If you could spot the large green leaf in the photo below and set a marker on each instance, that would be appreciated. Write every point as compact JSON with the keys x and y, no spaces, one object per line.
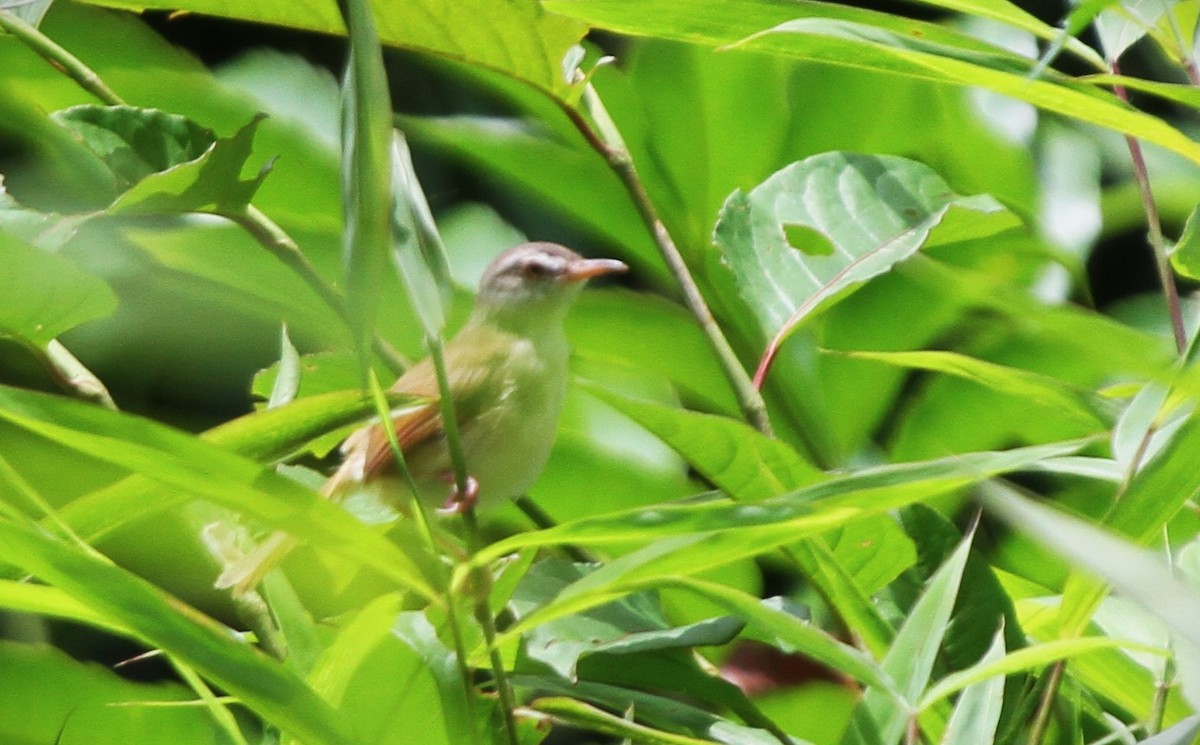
{"x":46,"y":294}
{"x":517,"y":39}
{"x":165,"y":623}
{"x":865,"y":40}
{"x":819,"y":228}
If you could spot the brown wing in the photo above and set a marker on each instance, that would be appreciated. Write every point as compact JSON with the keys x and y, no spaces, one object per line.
{"x":469,"y":356}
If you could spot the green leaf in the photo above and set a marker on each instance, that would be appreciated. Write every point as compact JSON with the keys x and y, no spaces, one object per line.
{"x":1122,"y":24}
{"x":366,"y":176}
{"x":194,"y":468}
{"x":774,"y":623}
{"x":1008,"y":13}
{"x":690,"y":538}
{"x":1054,"y":394}
{"x":1134,"y":571}
{"x":977,"y":711}
{"x":46,"y":294}
{"x":265,"y":436}
{"x":354,"y":642}
{"x":634,"y":624}
{"x":878,"y":42}
{"x":135,"y":143}
{"x":21,"y":223}
{"x":910,"y":660}
{"x":46,"y":696}
{"x":517,"y":39}
{"x":735,"y":457}
{"x":210,"y":182}
{"x":165,"y":623}
{"x":417,"y":251}
{"x":43,"y":600}
{"x":818,"y":228}
{"x":1035,"y":657}
{"x":287,"y":382}
{"x":1185,"y":257}
{"x":750,"y":529}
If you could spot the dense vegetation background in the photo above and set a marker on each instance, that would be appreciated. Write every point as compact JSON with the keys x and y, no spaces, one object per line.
{"x":951,"y":242}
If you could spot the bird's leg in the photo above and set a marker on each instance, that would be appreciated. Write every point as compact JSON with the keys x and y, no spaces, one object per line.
{"x":459,"y":502}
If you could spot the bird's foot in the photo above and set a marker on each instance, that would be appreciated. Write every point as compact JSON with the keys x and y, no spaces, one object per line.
{"x":459,"y":502}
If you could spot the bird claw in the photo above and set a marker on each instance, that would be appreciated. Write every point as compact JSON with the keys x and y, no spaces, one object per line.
{"x":459,"y":502}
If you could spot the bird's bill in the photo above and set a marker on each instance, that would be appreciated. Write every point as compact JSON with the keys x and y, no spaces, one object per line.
{"x":582,"y":269}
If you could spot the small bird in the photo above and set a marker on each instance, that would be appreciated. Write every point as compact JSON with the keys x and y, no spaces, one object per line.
{"x":507,"y":369}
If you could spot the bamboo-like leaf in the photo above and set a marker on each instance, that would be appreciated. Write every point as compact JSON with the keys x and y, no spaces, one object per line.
{"x":977,"y":711}
{"x":167,"y":624}
{"x":193,"y":468}
{"x":910,"y":660}
{"x":750,"y":529}
{"x":1052,"y":393}
{"x":1134,"y":571}
{"x":579,"y":714}
{"x":1029,"y":658}
{"x":366,"y":175}
{"x":770,"y":621}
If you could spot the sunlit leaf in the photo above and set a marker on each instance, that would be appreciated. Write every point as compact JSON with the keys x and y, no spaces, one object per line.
{"x":819,"y":228}
{"x":870,"y":41}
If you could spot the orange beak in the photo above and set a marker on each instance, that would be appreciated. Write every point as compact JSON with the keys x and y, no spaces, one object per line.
{"x":577,"y":271}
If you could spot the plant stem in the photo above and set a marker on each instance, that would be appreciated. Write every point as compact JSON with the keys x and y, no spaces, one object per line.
{"x":1042,"y":719}
{"x":59,"y":58}
{"x":1157,"y":243}
{"x":606,"y":140}
{"x":478,"y":582}
{"x":273,"y":238}
{"x":479,"y":587}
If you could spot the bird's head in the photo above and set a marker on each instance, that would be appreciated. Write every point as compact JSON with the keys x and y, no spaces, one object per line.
{"x":536,"y":282}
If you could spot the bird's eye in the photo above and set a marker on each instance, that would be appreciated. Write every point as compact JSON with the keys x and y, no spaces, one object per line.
{"x":537,"y":270}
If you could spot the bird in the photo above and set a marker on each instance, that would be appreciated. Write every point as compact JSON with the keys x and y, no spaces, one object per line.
{"x":507,"y":373}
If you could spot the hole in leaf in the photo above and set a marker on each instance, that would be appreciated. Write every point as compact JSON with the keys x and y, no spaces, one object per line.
{"x":806,"y":240}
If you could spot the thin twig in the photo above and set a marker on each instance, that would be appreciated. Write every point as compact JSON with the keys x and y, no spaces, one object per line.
{"x":606,"y":140}
{"x":273,"y":238}
{"x":1157,"y":242}
{"x":59,"y":58}
{"x":1042,"y":719}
